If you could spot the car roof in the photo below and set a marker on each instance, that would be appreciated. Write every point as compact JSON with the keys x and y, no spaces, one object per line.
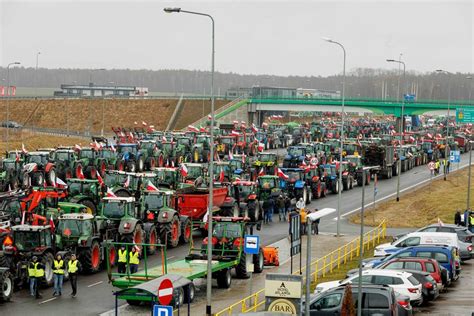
{"x":385,"y":272}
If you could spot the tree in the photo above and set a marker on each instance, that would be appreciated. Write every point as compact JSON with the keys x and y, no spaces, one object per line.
{"x":347,"y":308}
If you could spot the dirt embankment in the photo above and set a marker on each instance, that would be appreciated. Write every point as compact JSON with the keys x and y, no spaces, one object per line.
{"x":423,"y":206}
{"x":58,"y":113}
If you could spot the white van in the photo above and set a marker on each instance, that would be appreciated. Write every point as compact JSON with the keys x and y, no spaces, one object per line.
{"x":418,"y":238}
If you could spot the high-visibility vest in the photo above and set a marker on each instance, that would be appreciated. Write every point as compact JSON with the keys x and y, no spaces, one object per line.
{"x":471,"y":220}
{"x":134,"y":258}
{"x":58,"y":267}
{"x":72,"y":266}
{"x":39,"y":272}
{"x":303,"y":217}
{"x":122,"y":256}
{"x":32,"y":270}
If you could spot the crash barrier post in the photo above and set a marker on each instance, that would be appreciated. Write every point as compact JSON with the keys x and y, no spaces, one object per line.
{"x":320,"y":268}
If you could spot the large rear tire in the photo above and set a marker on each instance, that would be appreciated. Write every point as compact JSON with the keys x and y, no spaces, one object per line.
{"x":152,"y":240}
{"x":241,"y":268}
{"x":90,"y":258}
{"x":224,"y":279}
{"x":6,"y":286}
{"x":186,"y":231}
{"x":91,"y":207}
{"x":170,"y":232}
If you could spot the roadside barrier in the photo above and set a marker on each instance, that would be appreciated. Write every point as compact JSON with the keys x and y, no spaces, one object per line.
{"x":320,"y":268}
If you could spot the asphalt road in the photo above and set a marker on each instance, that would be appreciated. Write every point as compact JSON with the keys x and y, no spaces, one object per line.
{"x":95,"y":294}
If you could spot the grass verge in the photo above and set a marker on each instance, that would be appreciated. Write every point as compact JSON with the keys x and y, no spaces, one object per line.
{"x":423,"y":205}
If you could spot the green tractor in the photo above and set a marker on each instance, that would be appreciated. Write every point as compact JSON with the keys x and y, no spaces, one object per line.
{"x":82,"y":234}
{"x":86,"y":192}
{"x":183,"y":149}
{"x":166,"y":177}
{"x":268,"y":186}
{"x":10,"y":172}
{"x":64,"y":160}
{"x":88,"y":163}
{"x":268,"y":162}
{"x":202,"y":149}
{"x":125,"y":184}
{"x":151,"y":153}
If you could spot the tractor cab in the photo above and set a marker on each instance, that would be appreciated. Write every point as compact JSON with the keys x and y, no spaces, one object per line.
{"x":268,"y":186}
{"x":64,"y":155}
{"x":118,"y":208}
{"x":74,"y":229}
{"x":222,"y":171}
{"x":166,"y":177}
{"x":195,"y":170}
{"x":30,"y":239}
{"x":242,"y":189}
{"x":227,"y":238}
{"x":355,"y":162}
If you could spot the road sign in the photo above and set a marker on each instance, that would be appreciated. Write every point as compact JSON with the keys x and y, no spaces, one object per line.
{"x":465,"y":115}
{"x":295,"y":233}
{"x":160,"y":310}
{"x":455,"y":156}
{"x":165,"y":292}
{"x":283,"y":293}
{"x":251,"y":244}
{"x":431,"y":166}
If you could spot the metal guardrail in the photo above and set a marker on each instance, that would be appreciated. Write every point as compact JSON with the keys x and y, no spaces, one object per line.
{"x":319,"y":267}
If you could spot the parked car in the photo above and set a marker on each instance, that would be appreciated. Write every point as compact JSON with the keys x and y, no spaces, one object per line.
{"x":402,"y":282}
{"x":463,"y":233}
{"x":10,"y":124}
{"x":429,"y":290}
{"x":376,"y":300}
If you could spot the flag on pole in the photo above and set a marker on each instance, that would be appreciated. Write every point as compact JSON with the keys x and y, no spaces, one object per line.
{"x":282,"y":175}
{"x":126,"y":184}
{"x":261,"y":172}
{"x":440,"y":222}
{"x":230,"y":155}
{"x":151,"y":187}
{"x":51,"y":223}
{"x":23,"y":149}
{"x":221,"y":176}
{"x":60,"y":182}
{"x":184,"y":170}
{"x":110,"y":193}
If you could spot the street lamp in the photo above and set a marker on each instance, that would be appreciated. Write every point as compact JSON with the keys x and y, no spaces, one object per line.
{"x":402,"y":122}
{"x":36,"y":74}
{"x":89,"y":124}
{"x":468,"y":202}
{"x":211,"y":163}
{"x":339,"y":196}
{"x":447,"y":122}
{"x":8,"y":98}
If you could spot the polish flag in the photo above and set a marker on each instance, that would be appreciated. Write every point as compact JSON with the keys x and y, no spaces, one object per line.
{"x":254,"y":128}
{"x":261,"y":146}
{"x":282,"y":175}
{"x":303,"y":165}
{"x":112,"y":147}
{"x":61,"y":183}
{"x":99,"y":178}
{"x":202,"y":129}
{"x":51,"y":223}
{"x":163,"y":139}
{"x":209,"y":117}
{"x":144,"y":123}
{"x":221,"y":176}
{"x":439,"y":136}
{"x":429,"y":135}
{"x":150,"y":186}
{"x":126,"y":184}
{"x":234,"y":133}
{"x":243,"y":158}
{"x":17,"y":156}
{"x":184,"y":171}
{"x":110,"y":193}
{"x":23,"y":149}
{"x":261,"y":172}
{"x":230,"y":155}
{"x":136,"y":123}
{"x":412,"y":139}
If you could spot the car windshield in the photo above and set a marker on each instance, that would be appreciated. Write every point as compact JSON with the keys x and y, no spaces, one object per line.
{"x":229,"y":230}
{"x":153,"y":201}
{"x":267,"y":183}
{"x":38,"y":159}
{"x":86,"y":153}
{"x":294,"y":151}
{"x":114,"y":209}
{"x":26,"y":240}
{"x":62,"y":156}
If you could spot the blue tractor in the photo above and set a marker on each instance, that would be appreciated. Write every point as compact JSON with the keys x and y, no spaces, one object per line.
{"x":131,"y":156}
{"x":296,"y":185}
{"x":295,"y":156}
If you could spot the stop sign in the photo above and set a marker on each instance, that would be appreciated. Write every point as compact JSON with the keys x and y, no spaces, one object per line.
{"x":165,"y":292}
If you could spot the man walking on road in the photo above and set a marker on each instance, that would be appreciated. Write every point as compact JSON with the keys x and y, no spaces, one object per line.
{"x":58,"y":275}
{"x":122,"y":260}
{"x":73,"y":267}
{"x":36,"y":274}
{"x":281,"y":208}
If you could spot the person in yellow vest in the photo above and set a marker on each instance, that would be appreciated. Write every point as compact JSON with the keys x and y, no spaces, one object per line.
{"x":134,"y":260}
{"x":73,"y":268}
{"x":122,"y":260}
{"x":36,"y":274}
{"x":303,"y":215}
{"x":58,"y":275}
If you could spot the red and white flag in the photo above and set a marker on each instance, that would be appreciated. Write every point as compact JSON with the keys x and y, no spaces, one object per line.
{"x":254,"y":128}
{"x":23,"y":149}
{"x":112,"y":147}
{"x":412,"y":139}
{"x":261,"y":172}
{"x":234,"y":133}
{"x":440,"y":222}
{"x":243,"y":158}
{"x":231,"y":156}
{"x":202,"y":130}
{"x":51,"y":223}
{"x":193,"y":128}
{"x":163,"y":139}
{"x":282,"y":175}
{"x":184,"y":170}
{"x":60,"y":183}
{"x":99,"y":178}
{"x":221,"y":176}
{"x":261,"y":146}
{"x":17,"y":156}
{"x":429,"y":135}
{"x":144,"y":123}
{"x":151,"y":187}
{"x":126,"y":184}
{"x":209,"y":117}
{"x":110,"y":193}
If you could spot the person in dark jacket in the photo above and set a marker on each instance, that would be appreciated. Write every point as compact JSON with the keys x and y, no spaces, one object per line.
{"x":271,"y":208}
{"x":73,"y":267}
{"x":281,"y":208}
{"x":35,"y":274}
{"x":457,"y":218}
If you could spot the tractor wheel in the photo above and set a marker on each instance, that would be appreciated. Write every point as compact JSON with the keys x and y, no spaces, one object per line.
{"x":119,"y":165}
{"x":112,"y":253}
{"x":90,"y":206}
{"x":140,"y":164}
{"x":14,"y":182}
{"x":152,"y":240}
{"x":345,"y":183}
{"x":137,"y":237}
{"x":102,"y":168}
{"x":68,"y":173}
{"x":90,"y":258}
{"x":224,"y":279}
{"x":78,"y":170}
{"x":258,"y":262}
{"x":254,"y":215}
{"x":190,"y":293}
{"x":241,"y":268}
{"x":91,"y":172}
{"x":170,"y":232}
{"x":351,"y":182}
{"x":122,"y":193}
{"x":51,"y":177}
{"x":161,"y":161}
{"x":310,"y":195}
{"x":335,"y":186}
{"x":131,"y":166}
{"x":178,"y":297}
{"x":186,"y":231}
{"x":6,"y":286}
{"x":151,"y":165}
{"x":47,"y":260}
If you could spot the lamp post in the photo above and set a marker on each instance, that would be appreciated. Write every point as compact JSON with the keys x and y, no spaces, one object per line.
{"x":211,"y":162}
{"x":89,"y":124}
{"x":468,"y":202}
{"x":361,"y":244}
{"x":402,"y":122}
{"x":339,"y":196}
{"x":8,"y":98}
{"x":446,"y":146}
{"x":36,"y":74}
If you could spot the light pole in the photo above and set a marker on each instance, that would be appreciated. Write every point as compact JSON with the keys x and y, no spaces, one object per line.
{"x":8,"y":98}
{"x":468,"y":202}
{"x":211,"y":163}
{"x":91,"y":84}
{"x":36,"y":74}
{"x":361,"y":244}
{"x":446,"y":146}
{"x":339,"y":196}
{"x":402,"y":122}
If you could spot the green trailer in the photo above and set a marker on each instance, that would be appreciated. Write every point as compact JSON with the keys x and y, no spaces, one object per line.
{"x":227,"y":254}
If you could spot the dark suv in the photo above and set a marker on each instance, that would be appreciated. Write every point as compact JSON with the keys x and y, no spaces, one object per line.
{"x":376,"y":299}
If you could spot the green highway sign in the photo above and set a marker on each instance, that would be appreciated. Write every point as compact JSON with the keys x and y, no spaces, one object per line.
{"x":465,"y":115}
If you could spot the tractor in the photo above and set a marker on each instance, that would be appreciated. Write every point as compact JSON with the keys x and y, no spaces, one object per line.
{"x":151,"y":154}
{"x":88,"y":163}
{"x":83,"y":235}
{"x":38,"y":166}
{"x":348,"y":175}
{"x":266,"y":161}
{"x":240,"y":194}
{"x":226,"y":145}
{"x":112,"y":162}
{"x":268,"y":186}
{"x":9,"y":174}
{"x":84,"y":191}
{"x":166,"y":177}
{"x":296,"y":186}
{"x":202,"y":149}
{"x":125,"y":184}
{"x":328,"y":175}
{"x":295,"y":157}
{"x":64,"y":159}
{"x":183,"y":147}
{"x":314,"y":181}
{"x":132,"y":157}
{"x":222,"y":171}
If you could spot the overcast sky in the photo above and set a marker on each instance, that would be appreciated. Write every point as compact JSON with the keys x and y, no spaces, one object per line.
{"x":257,"y":37}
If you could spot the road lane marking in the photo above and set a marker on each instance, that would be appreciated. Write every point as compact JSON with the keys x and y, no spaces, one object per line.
{"x":51,"y":299}
{"x":94,"y":284}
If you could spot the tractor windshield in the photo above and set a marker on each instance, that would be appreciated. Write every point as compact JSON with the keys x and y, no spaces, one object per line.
{"x":194,"y":172}
{"x":87,"y":153}
{"x":74,"y":188}
{"x":267,"y":183}
{"x":236,"y":164}
{"x":184,"y":141}
{"x":9,"y":165}
{"x":112,"y":179}
{"x":38,"y":159}
{"x":62,"y":156}
{"x":105,"y":153}
{"x":167,"y":147}
{"x":228,"y":230}
{"x":426,"y":146}
{"x":266,"y":158}
{"x":129,"y":149}
{"x":294,"y":176}
{"x":26,"y":240}
{"x":202,"y":140}
{"x":153,"y":201}
{"x":295,"y":151}
{"x":69,"y":227}
{"x":227,"y":140}
{"x":245,"y":190}
{"x":114,"y":209}
{"x":12,"y":155}
{"x":354,"y":160}
{"x":147,"y":145}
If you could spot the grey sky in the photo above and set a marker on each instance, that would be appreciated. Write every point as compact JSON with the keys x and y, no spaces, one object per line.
{"x":272,"y":37}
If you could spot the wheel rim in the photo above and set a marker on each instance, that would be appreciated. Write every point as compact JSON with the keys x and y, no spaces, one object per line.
{"x":174,"y":231}
{"x":137,"y":238}
{"x":187,"y":231}
{"x":160,"y":161}
{"x":120,"y":167}
{"x":68,"y":174}
{"x":152,"y":240}
{"x":95,"y":257}
{"x":48,"y":270}
{"x":52,"y":176}
{"x":112,"y":256}
{"x":7,"y":287}
{"x":93,"y":173}
{"x":78,"y":170}
{"x":103,"y":168}
{"x":152,"y":163}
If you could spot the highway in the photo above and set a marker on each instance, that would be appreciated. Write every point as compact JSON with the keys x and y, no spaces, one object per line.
{"x":95,"y":294}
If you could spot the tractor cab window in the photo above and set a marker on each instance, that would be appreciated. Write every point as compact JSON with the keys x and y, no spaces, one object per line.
{"x":426,"y":146}
{"x":88,"y":188}
{"x":128,"y":149}
{"x":184,"y":141}
{"x":9,"y":165}
{"x":167,"y":147}
{"x":26,"y":241}
{"x":236,"y":164}
{"x":12,"y":155}
{"x":62,"y":156}
{"x":294,"y":176}
{"x":202,"y":140}
{"x":87,"y":153}
{"x":69,"y":227}
{"x":194,"y":172}
{"x":230,"y":230}
{"x":154,"y":201}
{"x":114,"y":209}
{"x":87,"y":228}
{"x":105,"y":154}
{"x":295,"y":151}
{"x":267,"y":183}
{"x":265,"y":158}
{"x":38,"y":159}
{"x":74,"y":188}
{"x":227,"y":140}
